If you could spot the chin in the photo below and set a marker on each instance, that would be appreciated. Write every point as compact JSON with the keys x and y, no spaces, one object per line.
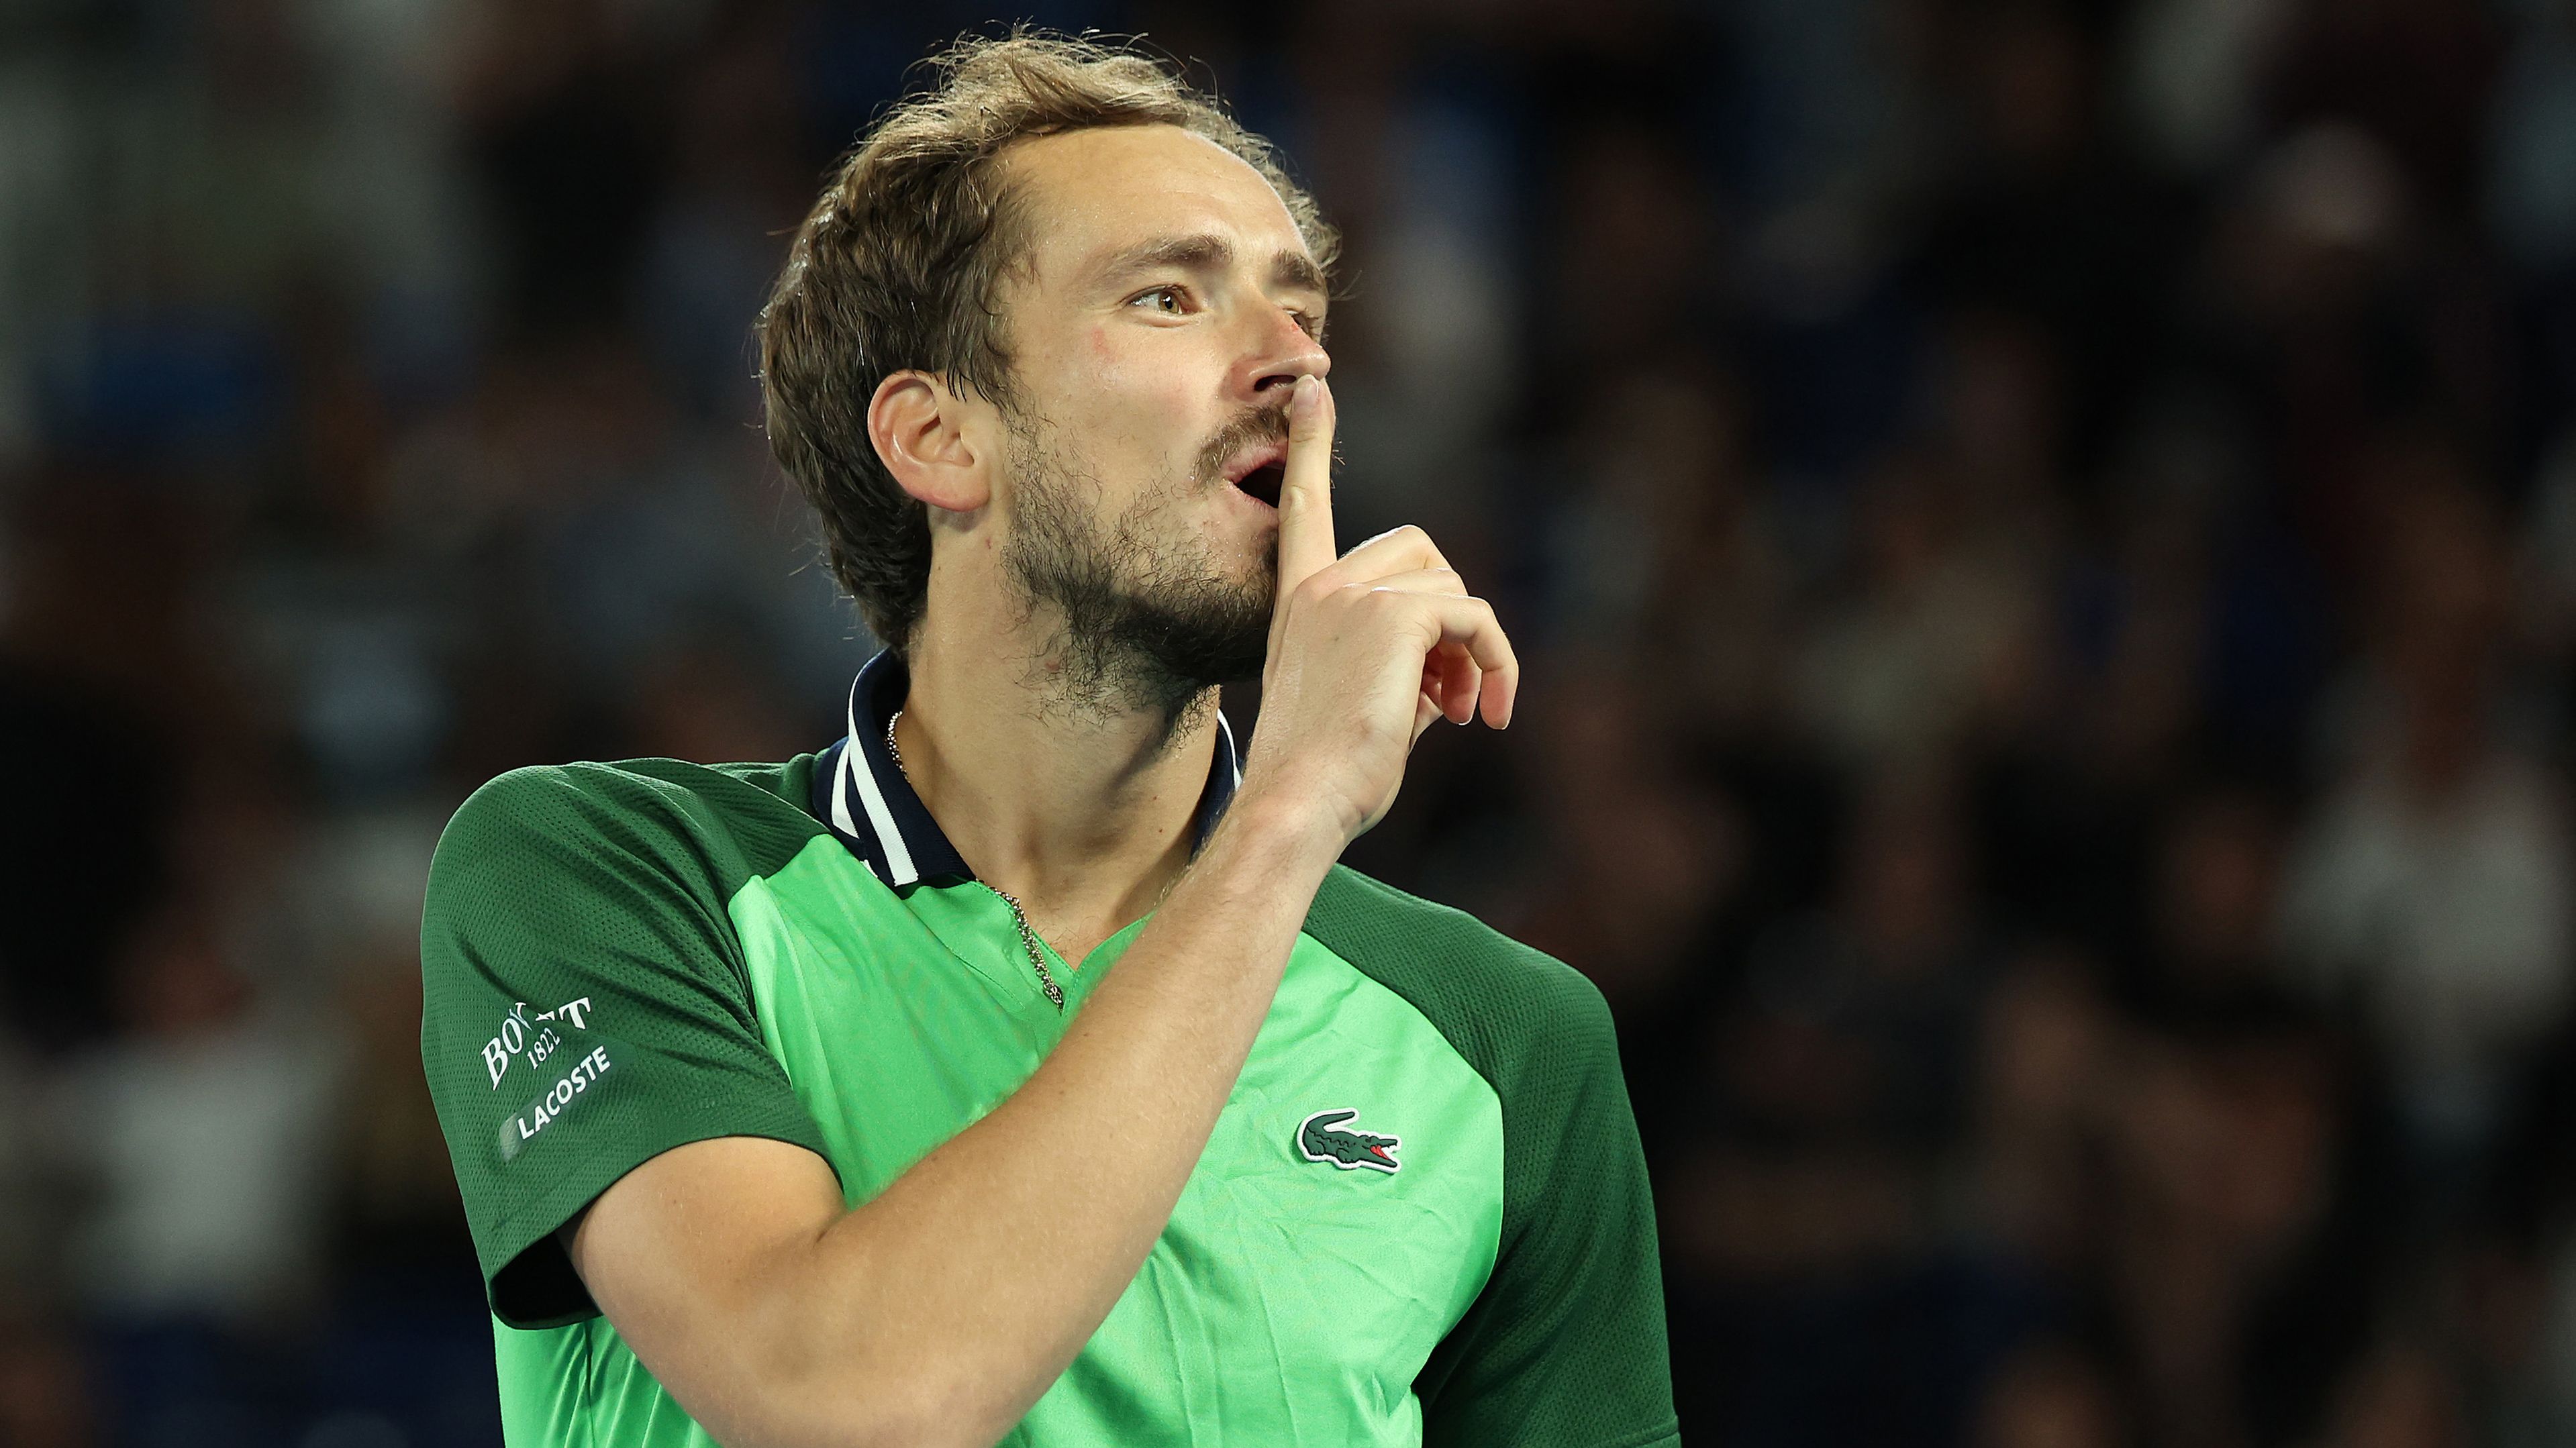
{"x":1260,"y":576}
{"x":1250,"y":559}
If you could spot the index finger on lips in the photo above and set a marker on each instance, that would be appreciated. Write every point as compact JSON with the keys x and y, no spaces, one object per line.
{"x":1306,"y":487}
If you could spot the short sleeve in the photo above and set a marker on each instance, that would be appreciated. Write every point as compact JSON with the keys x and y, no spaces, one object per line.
{"x":585,"y":1007}
{"x":1565,"y":1347}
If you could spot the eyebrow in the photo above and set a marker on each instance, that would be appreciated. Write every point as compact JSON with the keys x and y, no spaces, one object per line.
{"x":1205,"y":251}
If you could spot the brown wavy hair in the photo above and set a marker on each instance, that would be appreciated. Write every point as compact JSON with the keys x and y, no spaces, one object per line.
{"x":900,"y":263}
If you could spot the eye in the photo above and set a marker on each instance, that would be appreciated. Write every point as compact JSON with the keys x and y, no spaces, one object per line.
{"x":1309,"y":323}
{"x":1168,"y":290}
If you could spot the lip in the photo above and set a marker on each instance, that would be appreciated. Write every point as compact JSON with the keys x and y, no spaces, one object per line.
{"x":1252,"y":459}
{"x":1268,"y":461}
{"x":1254,"y":501}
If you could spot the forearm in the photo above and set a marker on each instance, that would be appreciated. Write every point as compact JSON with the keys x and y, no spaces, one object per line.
{"x":974,"y":1279}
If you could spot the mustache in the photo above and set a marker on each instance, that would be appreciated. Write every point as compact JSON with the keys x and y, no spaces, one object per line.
{"x":1253,"y":425}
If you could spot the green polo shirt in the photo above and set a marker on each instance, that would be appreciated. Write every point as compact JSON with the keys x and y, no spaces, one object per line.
{"x":1422,"y":1216}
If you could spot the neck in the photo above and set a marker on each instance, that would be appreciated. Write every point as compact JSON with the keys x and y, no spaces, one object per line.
{"x":1080,"y":805}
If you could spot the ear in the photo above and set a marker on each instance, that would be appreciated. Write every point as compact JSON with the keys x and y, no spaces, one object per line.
{"x":917,"y":426}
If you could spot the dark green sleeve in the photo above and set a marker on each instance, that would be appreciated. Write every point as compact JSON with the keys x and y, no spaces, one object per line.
{"x":1565,"y":1347}
{"x":585,"y":1007}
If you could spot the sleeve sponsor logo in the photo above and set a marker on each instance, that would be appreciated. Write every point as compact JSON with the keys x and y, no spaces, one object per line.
{"x":551,"y":1104}
{"x":531,"y":1038}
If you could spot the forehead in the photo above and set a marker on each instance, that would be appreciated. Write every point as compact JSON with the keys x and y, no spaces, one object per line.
{"x":1091,"y":193}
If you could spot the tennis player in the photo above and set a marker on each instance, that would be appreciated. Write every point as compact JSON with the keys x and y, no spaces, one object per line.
{"x":1022,"y":1067}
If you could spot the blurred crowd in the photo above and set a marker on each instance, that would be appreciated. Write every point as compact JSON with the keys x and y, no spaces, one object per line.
{"x":2043,"y":533}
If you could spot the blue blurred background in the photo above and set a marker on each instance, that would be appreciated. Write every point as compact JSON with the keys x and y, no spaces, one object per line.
{"x":2044,"y":536}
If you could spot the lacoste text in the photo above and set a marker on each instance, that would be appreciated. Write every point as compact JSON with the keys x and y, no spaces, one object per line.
{"x":584,"y":1074}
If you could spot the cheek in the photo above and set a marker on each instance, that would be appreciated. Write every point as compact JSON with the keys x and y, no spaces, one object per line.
{"x":1126,"y":367}
{"x":1140,"y":408}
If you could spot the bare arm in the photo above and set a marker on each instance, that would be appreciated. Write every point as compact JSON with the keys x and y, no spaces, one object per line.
{"x":941,"y":1309}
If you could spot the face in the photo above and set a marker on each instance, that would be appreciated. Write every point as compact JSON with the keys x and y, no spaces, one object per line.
{"x":1166,"y":310}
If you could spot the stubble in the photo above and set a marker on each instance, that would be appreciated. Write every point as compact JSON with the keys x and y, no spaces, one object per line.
{"x":1144,"y":618}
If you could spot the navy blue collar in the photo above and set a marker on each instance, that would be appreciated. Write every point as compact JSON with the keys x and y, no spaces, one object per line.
{"x":861,"y":794}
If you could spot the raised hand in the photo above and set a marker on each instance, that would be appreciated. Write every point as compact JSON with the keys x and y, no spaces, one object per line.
{"x":1365,"y":649}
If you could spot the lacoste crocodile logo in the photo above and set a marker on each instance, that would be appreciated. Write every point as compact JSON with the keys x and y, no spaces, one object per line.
{"x":1318,"y":1140}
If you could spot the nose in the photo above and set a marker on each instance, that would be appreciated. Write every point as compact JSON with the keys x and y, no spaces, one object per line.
{"x":1283,"y":353}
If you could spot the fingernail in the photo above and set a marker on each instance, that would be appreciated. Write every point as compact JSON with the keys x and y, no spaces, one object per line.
{"x":1301,"y":397}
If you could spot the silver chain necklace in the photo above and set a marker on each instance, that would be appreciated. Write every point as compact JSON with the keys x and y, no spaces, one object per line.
{"x":1028,"y":937}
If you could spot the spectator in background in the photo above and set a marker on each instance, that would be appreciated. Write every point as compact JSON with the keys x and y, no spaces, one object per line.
{"x":45,"y":1393}
{"x":1936,"y":618}
{"x":1811,"y":1209}
{"x":2047,"y":1048}
{"x":2217,"y":891}
{"x":2133,"y":414}
{"x":201,"y":1134}
{"x":1645,"y":852}
{"x":2402,"y":1396}
{"x":1662,"y":541}
{"x":2052,"y":1396}
{"x":2430,"y":891}
{"x":2236,"y":1265}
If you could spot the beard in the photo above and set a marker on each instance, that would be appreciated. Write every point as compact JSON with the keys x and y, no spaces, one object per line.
{"x":1149,"y":620}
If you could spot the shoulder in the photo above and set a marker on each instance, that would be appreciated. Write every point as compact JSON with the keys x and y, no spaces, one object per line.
{"x":1510,"y":1009}
{"x":651,"y":790}
{"x":720,"y":823}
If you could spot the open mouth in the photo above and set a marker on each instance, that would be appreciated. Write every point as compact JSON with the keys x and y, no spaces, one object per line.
{"x":1263,"y":482}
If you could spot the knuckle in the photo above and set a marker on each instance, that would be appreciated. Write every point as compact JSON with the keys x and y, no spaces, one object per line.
{"x":1347,"y":598}
{"x":1400,"y":535}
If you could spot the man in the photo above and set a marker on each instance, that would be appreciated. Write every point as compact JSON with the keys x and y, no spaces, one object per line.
{"x":802,"y":1104}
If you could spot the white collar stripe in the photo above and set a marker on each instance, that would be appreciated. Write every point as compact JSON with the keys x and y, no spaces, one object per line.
{"x":898,"y":856}
{"x":841,"y":777}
